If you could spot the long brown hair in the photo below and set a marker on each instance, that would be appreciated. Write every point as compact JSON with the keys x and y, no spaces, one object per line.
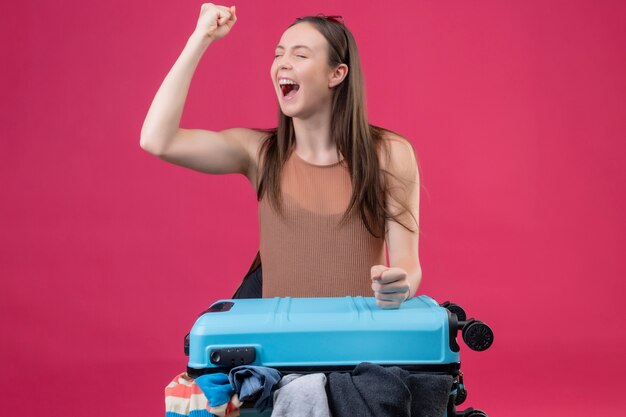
{"x":358,"y":141}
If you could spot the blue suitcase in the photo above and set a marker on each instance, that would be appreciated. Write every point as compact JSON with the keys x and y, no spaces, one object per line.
{"x":308,"y":335}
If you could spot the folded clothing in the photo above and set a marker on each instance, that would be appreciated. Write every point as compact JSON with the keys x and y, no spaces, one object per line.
{"x":255,"y":382}
{"x":185,"y":397}
{"x":223,"y":400}
{"x":376,"y":391}
{"x":431,"y":394}
{"x":301,"y":396}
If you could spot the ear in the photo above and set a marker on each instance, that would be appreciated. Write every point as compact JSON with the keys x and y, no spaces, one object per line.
{"x":338,"y":75}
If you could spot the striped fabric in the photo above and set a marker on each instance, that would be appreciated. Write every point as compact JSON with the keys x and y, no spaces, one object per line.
{"x":184,"y":398}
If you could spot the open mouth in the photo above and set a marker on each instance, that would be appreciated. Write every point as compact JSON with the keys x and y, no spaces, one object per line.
{"x":289,"y":90}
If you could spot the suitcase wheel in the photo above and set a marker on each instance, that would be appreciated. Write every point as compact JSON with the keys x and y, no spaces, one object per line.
{"x":470,"y":412}
{"x":461,"y":392}
{"x":461,"y":395}
{"x":477,"y":335}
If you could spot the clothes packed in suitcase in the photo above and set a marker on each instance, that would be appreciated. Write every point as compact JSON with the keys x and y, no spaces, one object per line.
{"x":335,"y":357}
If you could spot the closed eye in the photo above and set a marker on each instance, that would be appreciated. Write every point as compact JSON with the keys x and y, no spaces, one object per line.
{"x":300,"y":56}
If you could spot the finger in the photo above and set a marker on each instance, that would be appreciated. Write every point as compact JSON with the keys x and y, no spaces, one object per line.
{"x":233,"y":18}
{"x":387,"y":304}
{"x":394,"y":287}
{"x":223,"y":14}
{"x":223,"y":8}
{"x":377,"y":270}
{"x":390,"y":297}
{"x":395,"y":297}
{"x":232,"y":12}
{"x":392,"y":275}
{"x":224,"y":17}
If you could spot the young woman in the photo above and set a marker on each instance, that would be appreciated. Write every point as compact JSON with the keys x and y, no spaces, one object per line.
{"x":334,"y":191}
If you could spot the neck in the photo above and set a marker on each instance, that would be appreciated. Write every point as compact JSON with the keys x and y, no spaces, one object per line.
{"x":313,"y":139}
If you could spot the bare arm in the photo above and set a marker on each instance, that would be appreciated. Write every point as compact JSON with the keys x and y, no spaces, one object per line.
{"x":394,"y":284}
{"x":163,"y":119}
{"x":403,"y":244}
{"x":226,"y":151}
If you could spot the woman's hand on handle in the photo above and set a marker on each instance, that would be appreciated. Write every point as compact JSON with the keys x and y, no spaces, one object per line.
{"x":215,"y":21}
{"x":390,"y":285}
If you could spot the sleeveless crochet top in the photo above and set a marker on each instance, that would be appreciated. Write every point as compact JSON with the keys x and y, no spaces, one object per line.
{"x":306,"y":253}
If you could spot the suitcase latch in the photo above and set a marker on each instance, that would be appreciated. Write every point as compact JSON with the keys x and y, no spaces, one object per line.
{"x":234,"y":356}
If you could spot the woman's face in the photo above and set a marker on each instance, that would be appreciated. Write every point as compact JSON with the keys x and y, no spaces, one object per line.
{"x":302,"y":56}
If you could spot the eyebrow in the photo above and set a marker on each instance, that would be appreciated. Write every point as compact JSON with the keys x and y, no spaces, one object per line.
{"x":295,"y":47}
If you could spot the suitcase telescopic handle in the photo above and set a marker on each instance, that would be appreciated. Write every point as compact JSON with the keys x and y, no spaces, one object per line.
{"x":186,"y":344}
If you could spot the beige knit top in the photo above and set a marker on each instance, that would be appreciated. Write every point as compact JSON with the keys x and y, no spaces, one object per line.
{"x":306,"y":253}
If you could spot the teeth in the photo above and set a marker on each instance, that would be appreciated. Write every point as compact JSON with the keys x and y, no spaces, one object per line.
{"x":284,"y":81}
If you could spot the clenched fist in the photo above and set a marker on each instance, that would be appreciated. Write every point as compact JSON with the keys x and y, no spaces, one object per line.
{"x":215,"y":21}
{"x":390,"y":285}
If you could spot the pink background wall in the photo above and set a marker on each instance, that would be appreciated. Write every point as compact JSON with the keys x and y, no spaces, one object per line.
{"x":517,"y":110}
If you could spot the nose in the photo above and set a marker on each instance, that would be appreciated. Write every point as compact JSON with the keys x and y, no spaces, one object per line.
{"x":283,"y":62}
{"x":284,"y":65}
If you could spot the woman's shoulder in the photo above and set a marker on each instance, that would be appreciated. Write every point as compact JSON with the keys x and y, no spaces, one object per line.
{"x":396,"y":153}
{"x":253,"y":139}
